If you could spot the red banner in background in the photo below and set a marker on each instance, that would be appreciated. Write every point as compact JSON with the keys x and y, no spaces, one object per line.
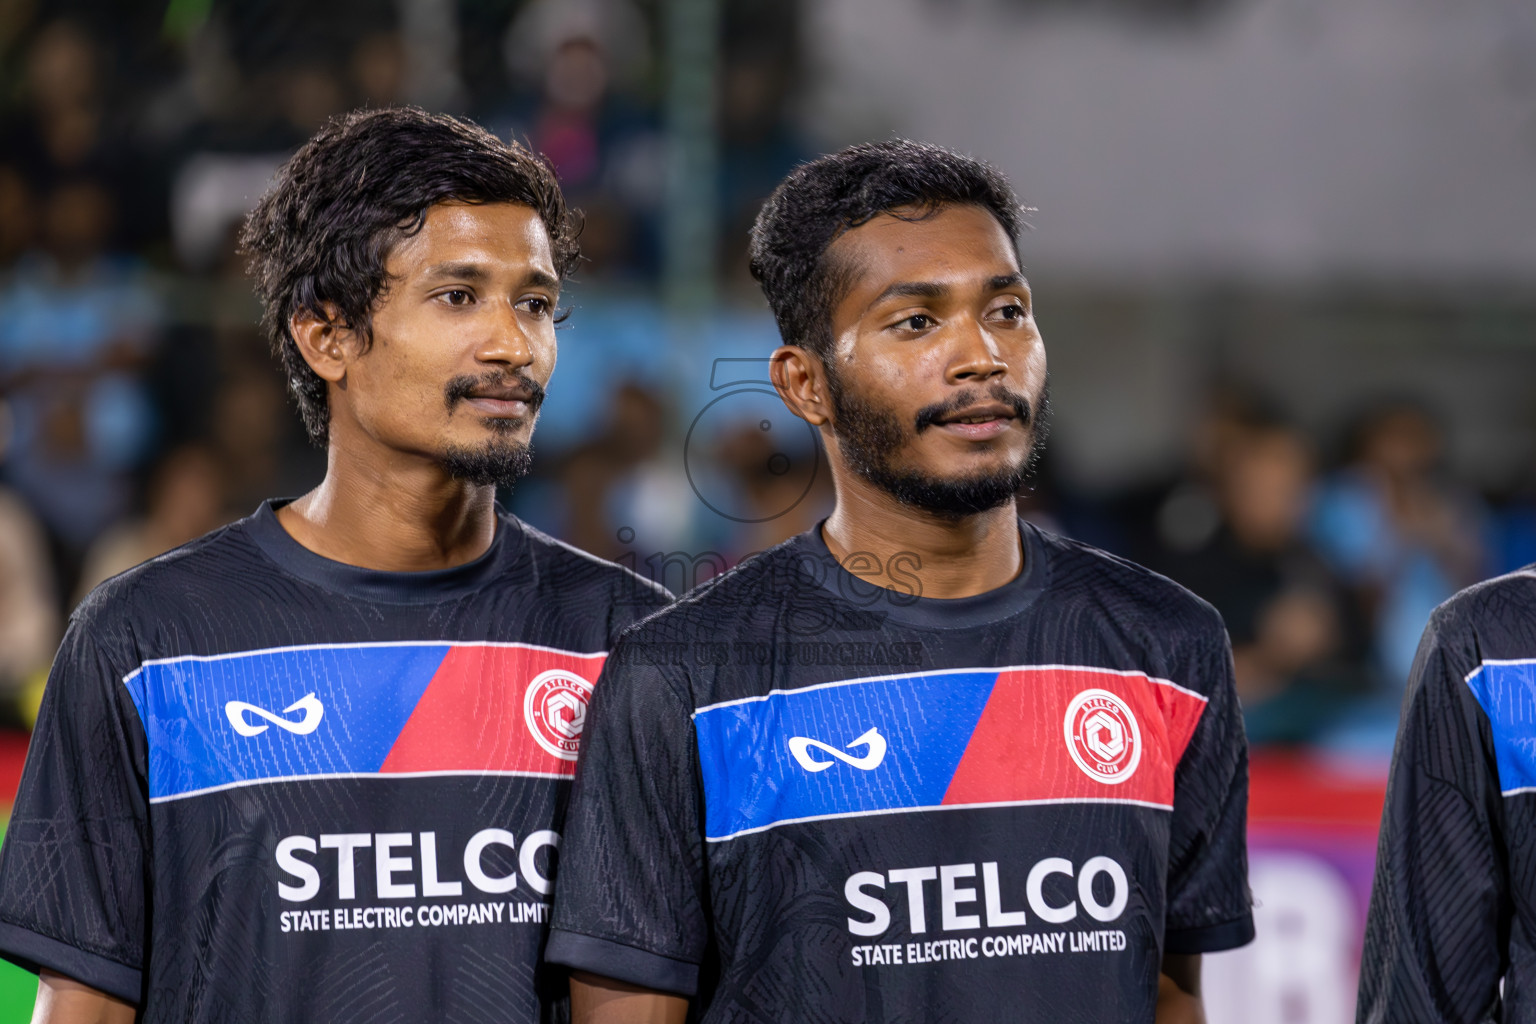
{"x":1312,"y":824}
{"x":13,"y":754}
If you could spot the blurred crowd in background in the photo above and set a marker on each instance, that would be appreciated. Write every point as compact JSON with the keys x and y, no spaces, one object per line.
{"x":139,"y":406}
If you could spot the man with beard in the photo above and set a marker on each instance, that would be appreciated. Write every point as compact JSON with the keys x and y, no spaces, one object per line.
{"x":309,"y":766}
{"x":925,"y":762}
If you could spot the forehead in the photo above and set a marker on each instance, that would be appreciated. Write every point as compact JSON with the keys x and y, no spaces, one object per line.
{"x":954,"y":245}
{"x":508,"y":236}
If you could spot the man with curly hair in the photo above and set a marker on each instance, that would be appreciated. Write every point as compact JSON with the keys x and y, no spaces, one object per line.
{"x":309,"y":766}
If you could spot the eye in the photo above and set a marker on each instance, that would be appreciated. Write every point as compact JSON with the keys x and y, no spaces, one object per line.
{"x":1012,"y":312}
{"x":457,"y":297}
{"x":536,"y":305}
{"x":917,"y":322}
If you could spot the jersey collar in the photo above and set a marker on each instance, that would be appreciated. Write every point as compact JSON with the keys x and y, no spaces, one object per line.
{"x":378,"y":585}
{"x":1010,"y":599}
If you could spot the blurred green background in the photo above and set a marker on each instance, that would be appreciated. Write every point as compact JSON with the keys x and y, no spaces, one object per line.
{"x":18,"y":988}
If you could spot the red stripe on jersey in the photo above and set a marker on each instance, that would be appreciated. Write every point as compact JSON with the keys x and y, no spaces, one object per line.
{"x":512,"y":708}
{"x":1068,"y":733}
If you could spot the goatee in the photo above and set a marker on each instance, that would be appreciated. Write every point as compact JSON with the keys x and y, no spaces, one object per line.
{"x":498,"y":461}
{"x":501,"y":459}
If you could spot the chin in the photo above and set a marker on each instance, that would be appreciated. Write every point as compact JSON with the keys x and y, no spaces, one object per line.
{"x":949,"y":495}
{"x":959,"y":471}
{"x":498,"y":426}
{"x":494,"y":461}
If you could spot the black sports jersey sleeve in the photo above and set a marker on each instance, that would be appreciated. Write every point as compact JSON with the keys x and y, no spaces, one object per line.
{"x":634,"y":908}
{"x":1440,"y":912}
{"x":72,"y":867}
{"x":1209,"y":906}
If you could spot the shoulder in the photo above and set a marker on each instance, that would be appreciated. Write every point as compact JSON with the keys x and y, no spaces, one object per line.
{"x":187,"y":575}
{"x":125,"y":619}
{"x":1509,"y":600}
{"x":1494,"y":620}
{"x":583,"y":575}
{"x":759,"y":585}
{"x":1081,"y":574}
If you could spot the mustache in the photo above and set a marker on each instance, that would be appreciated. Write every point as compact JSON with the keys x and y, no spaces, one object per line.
{"x":464,"y":386}
{"x":928,"y":415}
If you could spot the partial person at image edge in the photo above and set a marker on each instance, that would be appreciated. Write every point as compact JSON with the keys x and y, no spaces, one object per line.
{"x":1451,"y":932}
{"x":924,"y":761}
{"x":309,"y":767}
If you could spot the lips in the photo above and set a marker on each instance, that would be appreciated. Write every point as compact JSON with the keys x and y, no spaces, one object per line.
{"x":496,"y":397}
{"x":974,"y":415}
{"x":498,"y":407}
{"x":500,"y":401}
{"x":502,"y":394}
{"x":989,"y":412}
{"x":982,"y":430}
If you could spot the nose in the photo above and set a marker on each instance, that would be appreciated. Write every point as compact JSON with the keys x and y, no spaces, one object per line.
{"x":505,"y":341}
{"x":976,"y":355}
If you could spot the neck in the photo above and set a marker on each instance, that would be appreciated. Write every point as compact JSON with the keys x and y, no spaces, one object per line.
{"x":870,"y":533}
{"x":403,"y":516}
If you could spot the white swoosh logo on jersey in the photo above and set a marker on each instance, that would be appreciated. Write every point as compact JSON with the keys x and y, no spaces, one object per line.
{"x":236,"y":710}
{"x":801,"y":746}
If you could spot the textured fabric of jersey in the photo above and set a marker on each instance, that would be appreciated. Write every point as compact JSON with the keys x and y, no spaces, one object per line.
{"x":808,"y":799}
{"x":1453,"y":908}
{"x":266,"y":786}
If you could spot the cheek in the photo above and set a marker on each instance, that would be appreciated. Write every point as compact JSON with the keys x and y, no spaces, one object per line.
{"x":1036,"y":365}
{"x":545,"y":352}
{"x":399,"y":367}
{"x":399,"y":383}
{"x":886,"y":385}
{"x":1029,"y":366}
{"x":895,"y":373}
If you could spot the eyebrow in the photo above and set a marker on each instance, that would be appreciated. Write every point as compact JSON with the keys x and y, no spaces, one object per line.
{"x":912,"y":290}
{"x":541,"y":279}
{"x":476,"y":272}
{"x":463,"y":271}
{"x":934,"y":290}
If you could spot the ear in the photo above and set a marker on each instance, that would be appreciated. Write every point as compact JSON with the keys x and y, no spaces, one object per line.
{"x":801,"y":381}
{"x":323,"y":342}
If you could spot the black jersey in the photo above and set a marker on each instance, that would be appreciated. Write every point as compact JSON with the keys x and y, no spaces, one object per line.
{"x":1452,"y":923}
{"x":266,"y":786}
{"x":809,"y":799}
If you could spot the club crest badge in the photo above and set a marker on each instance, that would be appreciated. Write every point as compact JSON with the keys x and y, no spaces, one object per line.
{"x":555,"y":707}
{"x":1102,"y":736}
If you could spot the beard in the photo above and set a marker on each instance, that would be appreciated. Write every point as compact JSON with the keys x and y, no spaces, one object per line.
{"x":501,"y":459}
{"x":871,"y":438}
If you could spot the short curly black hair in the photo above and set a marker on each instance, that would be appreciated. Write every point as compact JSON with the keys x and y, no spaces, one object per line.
{"x":827,"y":196}
{"x":325,"y":229}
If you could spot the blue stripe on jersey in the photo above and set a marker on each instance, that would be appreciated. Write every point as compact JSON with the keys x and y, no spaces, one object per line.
{"x":1507,"y":693}
{"x":752,"y":778}
{"x":189,"y":707}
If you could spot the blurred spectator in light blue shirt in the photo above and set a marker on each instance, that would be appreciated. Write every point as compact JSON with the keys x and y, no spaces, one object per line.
{"x":77,"y":324}
{"x":1403,"y":533}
